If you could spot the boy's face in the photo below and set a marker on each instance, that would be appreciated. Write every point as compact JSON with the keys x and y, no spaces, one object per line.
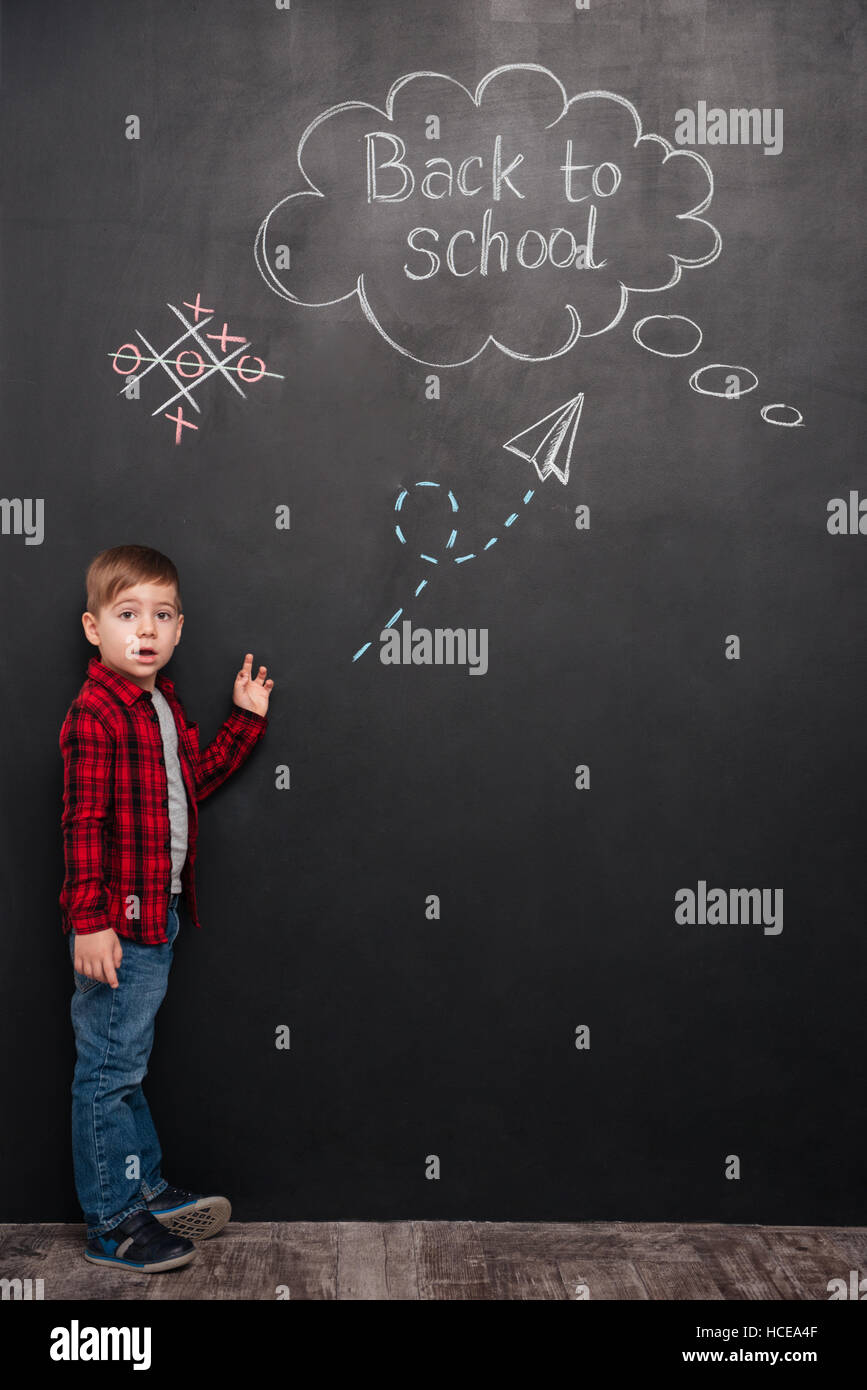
{"x":138,"y":632}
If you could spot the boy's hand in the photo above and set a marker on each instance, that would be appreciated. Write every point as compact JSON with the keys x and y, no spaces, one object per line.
{"x":250,"y":693}
{"x":98,"y":954}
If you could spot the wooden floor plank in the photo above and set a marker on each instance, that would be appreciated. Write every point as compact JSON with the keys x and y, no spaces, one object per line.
{"x":680,"y":1280}
{"x":512,"y":1272}
{"x":303,"y":1259}
{"x":449,"y":1260}
{"x":376,"y":1260}
{"x":236,"y":1264}
{"x":809,"y":1277}
{"x":748,"y":1273}
{"x":499,"y":1260}
{"x":566,"y":1240}
{"x":852,"y":1248}
{"x":34,"y":1241}
{"x":806,"y":1240}
{"x":603,"y":1279}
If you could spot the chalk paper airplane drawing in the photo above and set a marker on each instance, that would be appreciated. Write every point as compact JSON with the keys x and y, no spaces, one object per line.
{"x":542,"y":444}
{"x":547,"y":439}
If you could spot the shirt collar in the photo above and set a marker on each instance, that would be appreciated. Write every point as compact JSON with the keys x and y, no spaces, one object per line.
{"x":125,"y":689}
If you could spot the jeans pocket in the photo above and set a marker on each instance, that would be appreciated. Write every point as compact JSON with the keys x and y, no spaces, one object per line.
{"x":83,"y":983}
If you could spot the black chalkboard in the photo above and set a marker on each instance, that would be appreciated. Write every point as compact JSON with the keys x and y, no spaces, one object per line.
{"x":490,"y":898}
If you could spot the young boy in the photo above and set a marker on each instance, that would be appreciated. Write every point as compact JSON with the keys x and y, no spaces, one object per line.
{"x":133,"y":776}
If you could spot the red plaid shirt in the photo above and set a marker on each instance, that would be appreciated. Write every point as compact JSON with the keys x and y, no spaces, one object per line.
{"x":116,"y":832}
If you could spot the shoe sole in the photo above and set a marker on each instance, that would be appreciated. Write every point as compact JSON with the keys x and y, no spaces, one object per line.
{"x":197,"y":1220}
{"x":156,"y":1267}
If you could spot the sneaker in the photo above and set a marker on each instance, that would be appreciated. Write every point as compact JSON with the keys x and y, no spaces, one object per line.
{"x":140,"y":1242}
{"x":188,"y":1214}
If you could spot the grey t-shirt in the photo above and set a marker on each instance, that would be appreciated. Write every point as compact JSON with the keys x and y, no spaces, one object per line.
{"x":177,"y":790}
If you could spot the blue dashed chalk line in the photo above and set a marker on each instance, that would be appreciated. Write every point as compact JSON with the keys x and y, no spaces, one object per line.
{"x":430,"y":559}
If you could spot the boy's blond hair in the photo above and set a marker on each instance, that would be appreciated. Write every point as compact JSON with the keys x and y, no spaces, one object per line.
{"x":112,"y":571}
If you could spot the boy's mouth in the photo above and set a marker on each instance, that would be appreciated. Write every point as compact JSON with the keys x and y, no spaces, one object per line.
{"x":145,"y":652}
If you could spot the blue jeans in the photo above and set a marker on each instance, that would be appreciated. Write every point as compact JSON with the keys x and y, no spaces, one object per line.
{"x":115,"y":1150}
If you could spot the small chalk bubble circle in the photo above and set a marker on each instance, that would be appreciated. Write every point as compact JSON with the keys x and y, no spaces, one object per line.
{"x":726,"y":393}
{"x":401,"y":498}
{"x":779,"y":405}
{"x":666,"y":318}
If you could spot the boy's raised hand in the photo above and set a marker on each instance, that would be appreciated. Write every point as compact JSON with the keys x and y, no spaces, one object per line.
{"x":249,"y":692}
{"x":98,"y":954}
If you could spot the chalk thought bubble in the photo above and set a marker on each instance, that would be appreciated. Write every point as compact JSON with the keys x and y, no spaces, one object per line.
{"x":514,"y":216}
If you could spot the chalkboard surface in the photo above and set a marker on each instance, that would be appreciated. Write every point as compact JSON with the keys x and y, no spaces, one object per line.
{"x":494,"y":373}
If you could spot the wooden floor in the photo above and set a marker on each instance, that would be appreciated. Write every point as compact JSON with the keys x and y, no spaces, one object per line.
{"x":460,"y":1260}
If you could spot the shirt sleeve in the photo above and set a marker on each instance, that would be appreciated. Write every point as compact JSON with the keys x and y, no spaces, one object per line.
{"x":230,"y":748}
{"x":88,"y":788}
